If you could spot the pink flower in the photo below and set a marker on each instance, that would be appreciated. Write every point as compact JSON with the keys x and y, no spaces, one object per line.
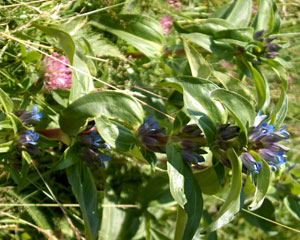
{"x":176,"y":5}
{"x":57,"y":74}
{"x":166,"y":23}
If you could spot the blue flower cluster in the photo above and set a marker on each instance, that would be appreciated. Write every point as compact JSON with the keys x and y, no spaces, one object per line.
{"x":264,"y":140}
{"x":30,"y":117}
{"x":152,"y":136}
{"x":28,"y":139}
{"x":91,"y":143}
{"x":190,"y":139}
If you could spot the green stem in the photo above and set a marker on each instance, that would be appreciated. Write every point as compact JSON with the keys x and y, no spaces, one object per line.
{"x":180,"y":223}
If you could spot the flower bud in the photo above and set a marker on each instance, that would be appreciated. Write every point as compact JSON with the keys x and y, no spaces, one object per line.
{"x":227,"y":132}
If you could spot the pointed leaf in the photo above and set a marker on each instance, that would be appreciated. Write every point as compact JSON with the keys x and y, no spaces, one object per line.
{"x":281,"y":109}
{"x":267,"y":17}
{"x":262,"y":88}
{"x":112,"y":216}
{"x":199,"y":66}
{"x":239,"y":13}
{"x":144,"y":33}
{"x":231,"y":205}
{"x":84,"y":188}
{"x":184,"y":189}
{"x":204,"y":110}
{"x":6,"y":102}
{"x":70,"y":157}
{"x":65,"y":40}
{"x":81,"y":83}
{"x":116,"y":135}
{"x":114,"y":105}
{"x":223,"y":50}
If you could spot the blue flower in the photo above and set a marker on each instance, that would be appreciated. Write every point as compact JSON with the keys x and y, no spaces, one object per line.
{"x":264,"y":140}
{"x":28,"y":138}
{"x":31,"y":116}
{"x":93,"y":140}
{"x":250,"y":163}
{"x":91,"y":143}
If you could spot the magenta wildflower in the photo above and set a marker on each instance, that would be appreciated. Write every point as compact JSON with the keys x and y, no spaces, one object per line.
{"x":166,"y":23}
{"x":175,"y":4}
{"x":57,"y":75}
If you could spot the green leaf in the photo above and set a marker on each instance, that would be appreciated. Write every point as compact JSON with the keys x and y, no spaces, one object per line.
{"x":262,"y":88}
{"x":208,"y":181}
{"x":263,"y":182}
{"x":223,"y":50}
{"x":81,"y":83}
{"x":65,"y":40}
{"x":209,"y":26}
{"x":231,"y":205}
{"x":235,"y":85}
{"x":71,"y":156}
{"x":114,"y":105}
{"x":199,"y":66}
{"x":6,"y":147}
{"x":6,"y":102}
{"x":239,"y":13}
{"x":84,"y":188}
{"x":293,"y":206}
{"x":281,"y":109}
{"x":144,"y":33}
{"x":267,"y":17}
{"x":116,"y":135}
{"x":184,"y":189}
{"x":240,"y":34}
{"x":205,"y":111}
{"x":112,"y":216}
{"x":239,"y":107}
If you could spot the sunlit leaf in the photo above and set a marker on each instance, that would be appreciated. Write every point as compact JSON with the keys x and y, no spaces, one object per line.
{"x":184,"y":189}
{"x":115,"y":105}
{"x":144,"y":33}
{"x":84,"y":188}
{"x":232,"y":203}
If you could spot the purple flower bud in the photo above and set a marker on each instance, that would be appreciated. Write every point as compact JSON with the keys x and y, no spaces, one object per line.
{"x":269,"y":39}
{"x":259,"y":119}
{"x":227,"y":132}
{"x":250,"y":163}
{"x":146,"y":140}
{"x":273,"y":47}
{"x":259,"y":34}
{"x":191,"y":157}
{"x":191,"y":129}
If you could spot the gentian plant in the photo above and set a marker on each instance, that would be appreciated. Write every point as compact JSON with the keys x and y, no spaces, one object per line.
{"x":136,"y":119}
